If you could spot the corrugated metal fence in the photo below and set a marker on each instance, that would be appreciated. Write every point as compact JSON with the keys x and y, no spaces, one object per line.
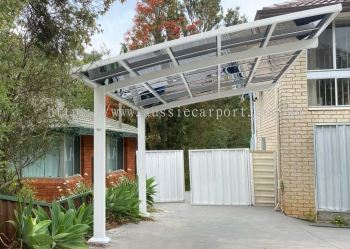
{"x":332,"y":156}
{"x":167,"y":167}
{"x":220,"y":177}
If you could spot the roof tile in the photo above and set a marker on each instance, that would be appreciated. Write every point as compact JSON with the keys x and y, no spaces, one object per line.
{"x":303,"y":3}
{"x":85,"y":119}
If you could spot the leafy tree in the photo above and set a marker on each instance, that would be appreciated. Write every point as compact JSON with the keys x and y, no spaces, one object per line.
{"x":233,"y":17}
{"x":203,"y":15}
{"x":62,"y":27}
{"x":155,"y":21}
{"x":39,"y":43}
{"x":187,"y":17}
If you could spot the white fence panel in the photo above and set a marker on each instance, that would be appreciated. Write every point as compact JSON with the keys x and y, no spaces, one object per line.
{"x":167,"y":167}
{"x":220,"y":177}
{"x":332,"y":155}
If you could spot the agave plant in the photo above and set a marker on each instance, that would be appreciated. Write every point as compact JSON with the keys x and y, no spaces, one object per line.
{"x":122,"y":202}
{"x":30,"y":232}
{"x":68,"y":228}
{"x":62,"y":229}
{"x":150,"y":191}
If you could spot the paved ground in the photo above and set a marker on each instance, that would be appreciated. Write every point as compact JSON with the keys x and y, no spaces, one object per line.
{"x":182,"y":226}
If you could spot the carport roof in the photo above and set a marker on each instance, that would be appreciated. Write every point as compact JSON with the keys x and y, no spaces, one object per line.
{"x":220,"y":63}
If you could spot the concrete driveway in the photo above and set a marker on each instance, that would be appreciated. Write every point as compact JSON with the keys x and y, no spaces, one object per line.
{"x":182,"y":226}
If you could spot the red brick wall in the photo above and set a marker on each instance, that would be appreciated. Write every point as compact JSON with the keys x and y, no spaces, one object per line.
{"x":86,"y":157}
{"x":49,"y":189}
{"x":130,"y":147}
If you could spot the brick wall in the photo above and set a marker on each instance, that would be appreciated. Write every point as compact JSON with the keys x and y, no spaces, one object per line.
{"x":86,"y":157}
{"x":130,"y":147}
{"x":296,"y":152}
{"x":49,"y":189}
{"x":267,"y":119}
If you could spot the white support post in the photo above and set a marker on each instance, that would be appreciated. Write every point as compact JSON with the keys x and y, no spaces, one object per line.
{"x":99,"y":233}
{"x":141,"y":170}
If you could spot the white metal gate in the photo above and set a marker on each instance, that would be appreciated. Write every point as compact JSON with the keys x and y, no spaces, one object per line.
{"x":220,"y":177}
{"x":167,"y":167}
{"x":332,"y":156}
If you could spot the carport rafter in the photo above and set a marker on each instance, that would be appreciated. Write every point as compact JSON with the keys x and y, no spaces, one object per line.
{"x":214,"y":61}
{"x":176,"y":64}
{"x":162,"y":64}
{"x":271,"y":29}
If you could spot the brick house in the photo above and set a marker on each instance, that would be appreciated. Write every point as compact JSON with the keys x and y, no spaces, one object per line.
{"x":305,"y":120}
{"x":70,"y":160}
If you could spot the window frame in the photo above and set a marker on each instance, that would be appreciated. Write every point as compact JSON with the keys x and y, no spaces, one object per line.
{"x":333,"y":73}
{"x":118,"y":141}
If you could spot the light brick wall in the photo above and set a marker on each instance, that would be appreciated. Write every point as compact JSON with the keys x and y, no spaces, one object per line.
{"x":296,"y":124}
{"x":266,"y":119}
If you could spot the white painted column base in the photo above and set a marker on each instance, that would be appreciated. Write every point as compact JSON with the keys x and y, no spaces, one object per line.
{"x":145,"y":215}
{"x":98,"y":240}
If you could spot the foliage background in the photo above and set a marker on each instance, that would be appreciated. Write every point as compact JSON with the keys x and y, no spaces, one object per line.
{"x":157,"y":21}
{"x":41,"y":40}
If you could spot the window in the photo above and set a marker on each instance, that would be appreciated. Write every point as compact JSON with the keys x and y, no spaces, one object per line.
{"x":72,"y":155}
{"x":343,"y":91}
{"x":114,"y":153}
{"x":322,"y":56}
{"x":329,"y":92}
{"x":321,"y":92}
{"x":62,"y":160}
{"x":48,"y":166}
{"x":120,"y":154}
{"x":332,"y":58}
{"x":333,"y":51}
{"x":342,"y":37}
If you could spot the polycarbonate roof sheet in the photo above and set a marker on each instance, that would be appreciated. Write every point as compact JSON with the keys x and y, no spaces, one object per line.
{"x":223,"y":62}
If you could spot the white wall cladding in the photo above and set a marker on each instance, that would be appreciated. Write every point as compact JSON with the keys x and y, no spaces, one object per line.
{"x":220,"y":177}
{"x":332,"y":156}
{"x":167,"y":167}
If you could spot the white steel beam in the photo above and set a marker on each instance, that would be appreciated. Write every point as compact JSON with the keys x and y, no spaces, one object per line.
{"x":263,"y":45}
{"x":243,"y":55}
{"x":141,"y":170}
{"x":145,"y":84}
{"x":124,"y":102}
{"x":99,"y":229}
{"x":214,"y":33}
{"x":203,"y":98}
{"x":176,"y":64}
{"x":326,"y":23}
{"x":90,"y":83}
{"x":154,"y":92}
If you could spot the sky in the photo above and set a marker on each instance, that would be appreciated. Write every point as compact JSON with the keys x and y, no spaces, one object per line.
{"x":118,"y":20}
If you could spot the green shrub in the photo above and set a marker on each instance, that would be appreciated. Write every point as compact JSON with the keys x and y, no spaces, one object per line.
{"x":30,"y":232}
{"x":150,"y":191}
{"x":122,"y":202}
{"x":62,"y":229}
{"x":69,"y":227}
{"x":339,"y":221}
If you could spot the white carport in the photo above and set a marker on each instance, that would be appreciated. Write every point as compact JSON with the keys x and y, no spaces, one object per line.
{"x":230,"y":61}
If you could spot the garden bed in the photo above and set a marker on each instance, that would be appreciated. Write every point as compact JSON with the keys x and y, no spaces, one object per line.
{"x":10,"y":203}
